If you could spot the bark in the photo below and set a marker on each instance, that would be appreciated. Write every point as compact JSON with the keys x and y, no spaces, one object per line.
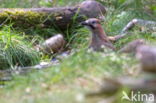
{"x":60,"y":17}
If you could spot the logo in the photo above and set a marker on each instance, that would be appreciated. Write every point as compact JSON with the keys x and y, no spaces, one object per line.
{"x":138,"y":97}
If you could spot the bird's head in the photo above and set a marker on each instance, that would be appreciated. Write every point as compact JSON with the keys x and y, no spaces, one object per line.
{"x":99,"y":38}
{"x":92,"y":23}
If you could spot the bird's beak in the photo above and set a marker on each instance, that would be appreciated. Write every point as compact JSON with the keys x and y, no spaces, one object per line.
{"x":84,"y":23}
{"x":87,"y":24}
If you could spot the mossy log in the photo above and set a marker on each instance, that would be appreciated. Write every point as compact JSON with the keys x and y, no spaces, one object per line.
{"x":61,"y":17}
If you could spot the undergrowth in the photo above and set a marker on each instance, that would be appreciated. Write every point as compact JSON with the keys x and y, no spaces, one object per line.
{"x":15,"y":50}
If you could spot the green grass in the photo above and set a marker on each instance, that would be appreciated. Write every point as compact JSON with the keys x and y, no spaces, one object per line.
{"x":65,"y":80}
{"x":16,"y":50}
{"x":74,"y":75}
{"x":19,"y":3}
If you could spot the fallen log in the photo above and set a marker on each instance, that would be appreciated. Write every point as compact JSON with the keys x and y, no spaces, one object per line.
{"x":60,"y":17}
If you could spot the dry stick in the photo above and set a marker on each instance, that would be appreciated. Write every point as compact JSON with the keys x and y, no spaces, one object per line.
{"x":140,"y":22}
{"x":7,"y":74}
{"x":131,"y":24}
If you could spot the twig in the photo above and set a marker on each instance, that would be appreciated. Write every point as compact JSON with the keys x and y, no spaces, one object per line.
{"x":132,"y":23}
{"x":140,"y":22}
{"x":7,"y":74}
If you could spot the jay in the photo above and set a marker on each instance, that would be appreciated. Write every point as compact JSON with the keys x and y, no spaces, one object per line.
{"x":99,"y":39}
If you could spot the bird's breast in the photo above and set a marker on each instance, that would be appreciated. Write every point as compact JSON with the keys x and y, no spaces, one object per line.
{"x":97,"y":44}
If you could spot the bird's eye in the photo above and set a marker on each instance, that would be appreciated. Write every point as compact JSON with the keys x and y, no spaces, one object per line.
{"x":93,"y":22}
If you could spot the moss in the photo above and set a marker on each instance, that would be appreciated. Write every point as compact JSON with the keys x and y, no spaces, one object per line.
{"x":22,"y":18}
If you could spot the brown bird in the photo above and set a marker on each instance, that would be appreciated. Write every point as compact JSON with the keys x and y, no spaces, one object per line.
{"x":99,"y":39}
